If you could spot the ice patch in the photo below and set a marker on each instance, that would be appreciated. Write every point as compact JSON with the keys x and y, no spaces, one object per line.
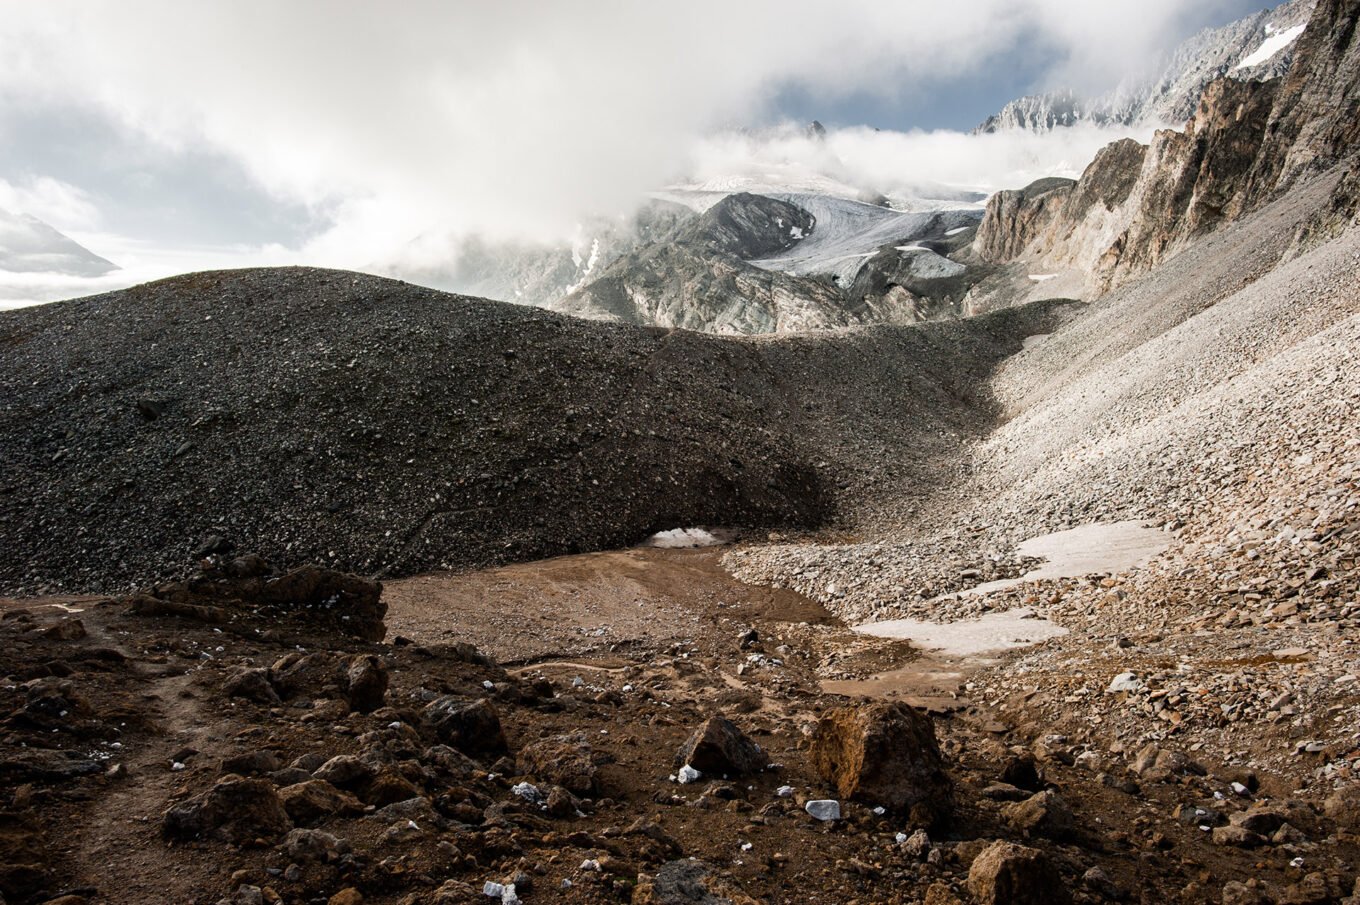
{"x":685,"y":537}
{"x":1270,"y":46}
{"x":992,"y":632}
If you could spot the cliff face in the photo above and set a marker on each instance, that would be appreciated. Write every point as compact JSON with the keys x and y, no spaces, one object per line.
{"x":1247,"y":142}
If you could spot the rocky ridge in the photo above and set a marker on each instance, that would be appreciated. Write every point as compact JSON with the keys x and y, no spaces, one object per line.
{"x":739,"y":268}
{"x":361,"y":422}
{"x":1247,"y":142}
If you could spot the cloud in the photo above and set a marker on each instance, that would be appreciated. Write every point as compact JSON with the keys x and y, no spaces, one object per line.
{"x":56,"y":203}
{"x":432,"y":120}
{"x":904,"y":166}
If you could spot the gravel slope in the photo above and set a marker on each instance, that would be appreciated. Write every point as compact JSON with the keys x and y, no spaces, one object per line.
{"x":327,"y":416}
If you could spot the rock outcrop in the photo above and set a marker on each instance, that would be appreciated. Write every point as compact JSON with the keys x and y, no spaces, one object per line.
{"x":1246,"y":142}
{"x":250,"y":589}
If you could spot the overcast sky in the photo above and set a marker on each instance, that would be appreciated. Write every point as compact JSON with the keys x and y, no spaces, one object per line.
{"x":337,"y":132}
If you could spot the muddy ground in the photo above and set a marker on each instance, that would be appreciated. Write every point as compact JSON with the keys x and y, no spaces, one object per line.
{"x":607,"y":663}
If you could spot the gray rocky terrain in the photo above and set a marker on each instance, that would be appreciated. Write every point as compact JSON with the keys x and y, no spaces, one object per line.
{"x":780,"y":720}
{"x":383,"y":427}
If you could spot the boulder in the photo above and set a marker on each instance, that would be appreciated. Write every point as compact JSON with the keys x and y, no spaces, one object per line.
{"x":366,"y":683}
{"x":1343,"y":806}
{"x":314,"y":845}
{"x":884,"y":754}
{"x":471,"y":727}
{"x":1044,"y":814}
{"x":719,"y":748}
{"x":563,"y":760}
{"x":346,"y":771}
{"x":235,"y":810}
{"x":251,"y":763}
{"x":311,"y":803}
{"x":1009,"y":874}
{"x":251,"y":684}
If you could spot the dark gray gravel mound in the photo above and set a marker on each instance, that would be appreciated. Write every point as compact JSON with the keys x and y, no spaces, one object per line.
{"x":383,"y":428}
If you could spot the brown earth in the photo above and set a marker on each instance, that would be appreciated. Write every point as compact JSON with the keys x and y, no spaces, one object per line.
{"x":143,"y":693}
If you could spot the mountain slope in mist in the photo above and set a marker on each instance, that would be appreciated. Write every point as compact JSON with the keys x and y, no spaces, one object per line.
{"x":28,"y":245}
{"x":1260,"y":46}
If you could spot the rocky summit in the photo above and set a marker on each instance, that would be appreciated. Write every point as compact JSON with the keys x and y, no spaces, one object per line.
{"x":980,"y":561}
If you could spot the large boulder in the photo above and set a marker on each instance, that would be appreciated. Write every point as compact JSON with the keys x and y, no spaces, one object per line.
{"x":473,"y":727}
{"x":235,"y":810}
{"x":884,"y":754}
{"x":563,"y":760}
{"x":1009,"y":874}
{"x":719,"y":748}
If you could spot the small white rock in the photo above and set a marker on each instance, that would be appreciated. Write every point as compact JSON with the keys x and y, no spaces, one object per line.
{"x":687,"y":774}
{"x":824,"y":809}
{"x":1125,"y":681}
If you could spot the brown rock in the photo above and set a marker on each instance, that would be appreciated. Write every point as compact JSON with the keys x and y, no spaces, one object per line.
{"x":1237,"y":837}
{"x":350,"y":896}
{"x":366,"y":681}
{"x":1344,"y":807}
{"x":1044,"y":814}
{"x":66,"y":630}
{"x":251,"y":684}
{"x":884,"y":754}
{"x":388,"y":787}
{"x":563,"y":760}
{"x":1008,"y":874}
{"x":471,"y":727}
{"x":688,"y":883}
{"x":311,"y":803}
{"x":314,"y":845}
{"x":1235,"y":893}
{"x":941,"y":894}
{"x":234,"y":810}
{"x":346,"y":771}
{"x":719,"y":748}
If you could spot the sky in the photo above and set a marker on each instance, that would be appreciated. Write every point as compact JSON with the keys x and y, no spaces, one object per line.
{"x":168,"y":136}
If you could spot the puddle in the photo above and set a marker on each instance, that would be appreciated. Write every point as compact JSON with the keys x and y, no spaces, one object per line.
{"x":991,"y":633}
{"x":678,"y":538}
{"x":926,"y":685}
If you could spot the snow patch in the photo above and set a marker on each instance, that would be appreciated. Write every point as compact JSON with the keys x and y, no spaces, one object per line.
{"x":956,"y":230}
{"x":687,"y":537}
{"x":992,"y":632}
{"x":1040,"y":277}
{"x":1270,"y":46}
{"x":912,"y":248}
